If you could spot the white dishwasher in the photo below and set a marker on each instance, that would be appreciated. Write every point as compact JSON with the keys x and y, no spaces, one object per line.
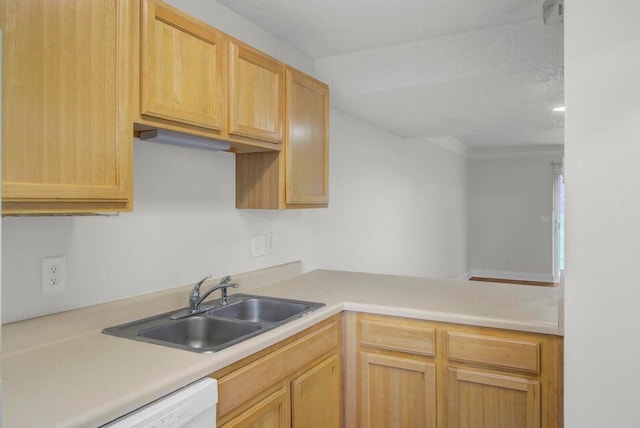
{"x":193,"y":406}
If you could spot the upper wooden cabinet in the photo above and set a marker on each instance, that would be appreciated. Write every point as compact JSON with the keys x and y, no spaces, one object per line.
{"x":181,"y":68}
{"x":297,"y":177}
{"x":256,"y":93}
{"x":307,"y":140}
{"x":191,"y":78}
{"x":66,"y":130}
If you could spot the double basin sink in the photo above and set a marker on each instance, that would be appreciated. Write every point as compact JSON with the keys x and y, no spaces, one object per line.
{"x":219,"y":326}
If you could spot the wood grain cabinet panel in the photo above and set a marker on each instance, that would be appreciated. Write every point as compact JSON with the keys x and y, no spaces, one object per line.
{"x":298,"y":175}
{"x":397,"y":334}
{"x":523,"y":355}
{"x":182,"y":68}
{"x":256,"y":93}
{"x":488,"y":400}
{"x":307,"y":140}
{"x":396,"y":392}
{"x":297,"y":382}
{"x":66,"y":131}
{"x":274,"y":411}
{"x":317,"y":396}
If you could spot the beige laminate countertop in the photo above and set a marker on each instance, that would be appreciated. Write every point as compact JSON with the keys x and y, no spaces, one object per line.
{"x":59,"y":370}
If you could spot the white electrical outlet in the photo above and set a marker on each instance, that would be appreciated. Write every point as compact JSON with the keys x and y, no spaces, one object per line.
{"x":270,"y":247}
{"x":53,"y":275}
{"x":258,"y":245}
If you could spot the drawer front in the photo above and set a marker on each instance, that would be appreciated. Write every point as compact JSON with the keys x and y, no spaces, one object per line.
{"x":398,"y":335}
{"x":498,"y":352}
{"x":249,"y":381}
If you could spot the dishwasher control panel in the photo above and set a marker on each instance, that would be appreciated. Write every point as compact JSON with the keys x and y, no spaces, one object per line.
{"x":193,"y":406}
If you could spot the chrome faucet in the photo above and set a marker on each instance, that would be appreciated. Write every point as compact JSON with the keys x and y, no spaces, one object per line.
{"x":196,"y":299}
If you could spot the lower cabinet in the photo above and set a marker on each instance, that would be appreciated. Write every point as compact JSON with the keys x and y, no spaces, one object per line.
{"x":398,"y":372}
{"x":414,"y":373}
{"x":479,"y":399}
{"x":397,"y":391}
{"x":274,"y":411}
{"x":317,"y":395}
{"x":297,"y":382}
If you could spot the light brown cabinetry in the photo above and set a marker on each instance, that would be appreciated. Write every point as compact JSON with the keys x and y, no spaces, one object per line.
{"x":66,"y":130}
{"x":274,"y":411}
{"x":181,"y":76}
{"x":396,"y":373}
{"x":297,"y":176}
{"x":396,"y":391}
{"x":421,"y":373}
{"x":485,"y":399}
{"x":317,"y":395}
{"x":289,"y":384}
{"x":191,"y":78}
{"x":256,"y":94}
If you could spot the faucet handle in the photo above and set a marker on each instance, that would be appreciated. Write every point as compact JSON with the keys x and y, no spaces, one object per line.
{"x":225,"y":280}
{"x":195,"y":292}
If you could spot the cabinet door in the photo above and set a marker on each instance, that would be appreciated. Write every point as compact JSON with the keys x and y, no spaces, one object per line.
{"x":317,"y":396}
{"x":256,"y":94}
{"x":396,"y":392}
{"x":272,"y":412}
{"x":487,"y":400}
{"x":181,"y":78}
{"x":66,"y":128}
{"x":307,"y":140}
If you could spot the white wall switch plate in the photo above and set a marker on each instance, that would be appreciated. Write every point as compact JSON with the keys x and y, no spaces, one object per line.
{"x":258,"y":245}
{"x":53,"y":275}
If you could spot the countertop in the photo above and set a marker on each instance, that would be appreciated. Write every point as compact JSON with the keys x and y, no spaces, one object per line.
{"x":59,"y":370}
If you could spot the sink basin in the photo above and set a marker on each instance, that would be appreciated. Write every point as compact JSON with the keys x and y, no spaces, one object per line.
{"x":219,"y":327}
{"x":199,"y":332}
{"x":262,"y":310}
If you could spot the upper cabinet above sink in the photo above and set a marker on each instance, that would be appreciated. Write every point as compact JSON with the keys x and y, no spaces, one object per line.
{"x":195,"y":79}
{"x":181,"y":62}
{"x":256,"y":94}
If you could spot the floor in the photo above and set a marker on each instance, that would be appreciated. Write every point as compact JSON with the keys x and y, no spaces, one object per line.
{"x":514,"y":281}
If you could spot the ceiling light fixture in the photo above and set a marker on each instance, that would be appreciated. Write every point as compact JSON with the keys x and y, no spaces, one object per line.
{"x":559,"y":109}
{"x":184,"y":140}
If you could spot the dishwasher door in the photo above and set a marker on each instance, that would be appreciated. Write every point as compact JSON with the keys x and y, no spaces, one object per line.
{"x":193,"y":406}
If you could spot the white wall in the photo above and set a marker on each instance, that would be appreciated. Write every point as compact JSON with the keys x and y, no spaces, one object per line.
{"x":397,"y":206}
{"x":602,"y":173}
{"x":508,"y":194}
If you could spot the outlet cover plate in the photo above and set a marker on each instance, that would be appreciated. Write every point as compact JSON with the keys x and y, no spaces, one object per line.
{"x":53,"y":275}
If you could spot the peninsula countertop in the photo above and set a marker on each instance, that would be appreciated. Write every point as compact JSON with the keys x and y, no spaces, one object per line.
{"x":60,"y":370}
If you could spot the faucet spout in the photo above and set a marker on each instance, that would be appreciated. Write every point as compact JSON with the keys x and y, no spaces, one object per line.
{"x":224,"y":284}
{"x":196,"y":298}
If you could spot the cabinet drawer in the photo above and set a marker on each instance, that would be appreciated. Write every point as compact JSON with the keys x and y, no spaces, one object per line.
{"x":397,"y":335}
{"x":499,"y":352}
{"x":252,"y":379}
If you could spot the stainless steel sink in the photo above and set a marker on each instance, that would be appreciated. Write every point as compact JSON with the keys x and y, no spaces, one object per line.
{"x":262,"y":310}
{"x":200,"y":332}
{"x":219,"y":327}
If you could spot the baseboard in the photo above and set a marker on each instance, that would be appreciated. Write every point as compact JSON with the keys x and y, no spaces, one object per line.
{"x":465,"y":276}
{"x":506,"y":274}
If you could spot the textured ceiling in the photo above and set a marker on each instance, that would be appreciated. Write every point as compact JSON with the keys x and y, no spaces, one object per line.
{"x":485,"y":72}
